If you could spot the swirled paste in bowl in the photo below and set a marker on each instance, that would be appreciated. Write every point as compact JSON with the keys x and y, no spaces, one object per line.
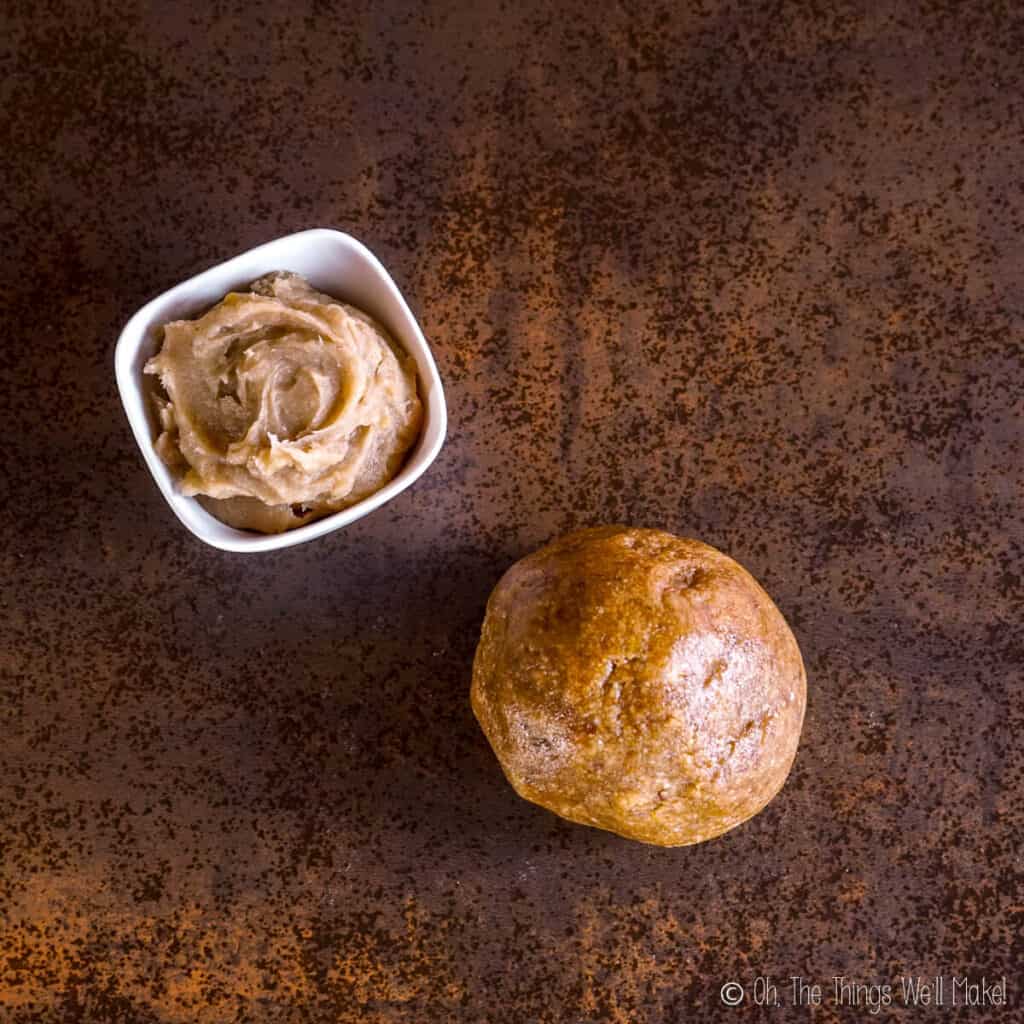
{"x":282,"y":404}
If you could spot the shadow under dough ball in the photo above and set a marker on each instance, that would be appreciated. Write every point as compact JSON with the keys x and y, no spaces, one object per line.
{"x":641,"y":683}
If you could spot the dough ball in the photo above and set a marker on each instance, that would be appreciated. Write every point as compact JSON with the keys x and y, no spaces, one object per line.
{"x":641,"y":683}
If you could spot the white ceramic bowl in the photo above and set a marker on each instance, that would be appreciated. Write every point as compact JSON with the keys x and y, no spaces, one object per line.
{"x":336,"y":264}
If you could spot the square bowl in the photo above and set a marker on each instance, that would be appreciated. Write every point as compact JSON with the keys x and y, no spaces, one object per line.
{"x":334,"y":263}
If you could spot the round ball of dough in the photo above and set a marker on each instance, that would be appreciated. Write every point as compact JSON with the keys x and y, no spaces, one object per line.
{"x":641,"y":683}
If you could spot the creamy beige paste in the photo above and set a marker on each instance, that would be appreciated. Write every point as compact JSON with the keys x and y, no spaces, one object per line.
{"x":283,"y":404}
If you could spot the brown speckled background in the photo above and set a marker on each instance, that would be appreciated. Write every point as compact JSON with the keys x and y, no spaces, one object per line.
{"x":749,"y":272}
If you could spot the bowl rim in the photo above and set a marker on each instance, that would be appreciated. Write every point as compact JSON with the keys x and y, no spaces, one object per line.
{"x":433,"y":430}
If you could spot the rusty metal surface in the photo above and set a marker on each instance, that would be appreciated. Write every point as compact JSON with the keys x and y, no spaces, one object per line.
{"x":749,"y":273}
